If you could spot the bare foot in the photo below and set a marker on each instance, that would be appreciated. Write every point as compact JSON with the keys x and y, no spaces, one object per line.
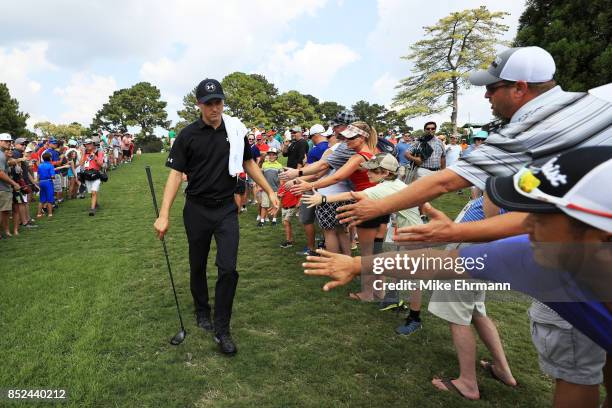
{"x":463,"y":390}
{"x":498,"y":374}
{"x":15,"y":232}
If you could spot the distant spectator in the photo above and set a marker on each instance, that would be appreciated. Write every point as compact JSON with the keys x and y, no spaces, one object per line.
{"x":46,"y":174}
{"x":289,"y":202}
{"x":271,"y":168}
{"x":6,"y":185}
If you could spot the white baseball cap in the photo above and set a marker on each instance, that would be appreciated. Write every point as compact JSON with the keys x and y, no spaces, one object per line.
{"x":530,"y":64}
{"x":328,"y":132}
{"x":316,"y":129}
{"x":5,"y":137}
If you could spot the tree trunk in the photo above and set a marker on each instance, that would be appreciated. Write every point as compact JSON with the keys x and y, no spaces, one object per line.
{"x":455,"y":104}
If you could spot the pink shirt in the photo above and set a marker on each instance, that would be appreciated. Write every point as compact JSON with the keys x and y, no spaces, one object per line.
{"x":91,"y":163}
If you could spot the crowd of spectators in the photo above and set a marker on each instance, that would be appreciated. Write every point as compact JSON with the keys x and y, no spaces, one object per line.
{"x":50,"y":170}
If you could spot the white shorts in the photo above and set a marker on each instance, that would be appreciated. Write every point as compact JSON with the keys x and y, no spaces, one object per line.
{"x":92,"y":185}
{"x":116,"y":152}
{"x":457,"y":306}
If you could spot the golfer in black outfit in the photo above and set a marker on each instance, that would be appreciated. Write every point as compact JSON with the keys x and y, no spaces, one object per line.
{"x":202,"y":151}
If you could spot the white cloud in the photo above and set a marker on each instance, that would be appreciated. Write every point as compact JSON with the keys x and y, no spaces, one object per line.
{"x":17,"y":66}
{"x":310,"y":68}
{"x":383,"y":89}
{"x":83,"y":96}
{"x":400,"y":24}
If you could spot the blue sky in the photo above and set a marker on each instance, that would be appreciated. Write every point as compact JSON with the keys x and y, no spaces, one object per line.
{"x":62,"y":59}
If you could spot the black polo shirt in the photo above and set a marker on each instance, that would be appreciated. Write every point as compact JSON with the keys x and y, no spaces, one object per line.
{"x":202,"y":153}
{"x":296,"y":153}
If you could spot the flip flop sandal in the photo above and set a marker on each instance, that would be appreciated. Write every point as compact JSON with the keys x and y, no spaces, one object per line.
{"x":488,"y":367}
{"x":357,"y":296}
{"x":447,"y":382}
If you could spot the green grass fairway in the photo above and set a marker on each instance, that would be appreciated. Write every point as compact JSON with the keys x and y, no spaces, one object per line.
{"x":86,"y":305}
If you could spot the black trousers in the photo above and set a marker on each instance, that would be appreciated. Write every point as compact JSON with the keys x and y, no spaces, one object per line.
{"x":201,"y":224}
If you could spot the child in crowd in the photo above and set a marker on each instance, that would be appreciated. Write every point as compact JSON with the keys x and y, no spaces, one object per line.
{"x":46,"y":174}
{"x":271,"y":168}
{"x":289,"y":202}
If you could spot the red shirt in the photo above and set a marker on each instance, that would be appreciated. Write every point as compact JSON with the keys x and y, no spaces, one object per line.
{"x":360,"y":178}
{"x":263,"y":147}
{"x":90,"y":162}
{"x":288,"y":200}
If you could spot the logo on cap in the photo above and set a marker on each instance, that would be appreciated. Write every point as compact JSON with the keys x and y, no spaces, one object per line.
{"x":210,"y":87}
{"x":496,"y":62}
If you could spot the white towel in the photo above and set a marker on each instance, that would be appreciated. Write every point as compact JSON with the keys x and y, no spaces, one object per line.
{"x":235,"y":133}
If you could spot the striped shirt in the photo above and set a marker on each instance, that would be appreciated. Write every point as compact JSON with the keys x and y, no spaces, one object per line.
{"x":548,"y":125}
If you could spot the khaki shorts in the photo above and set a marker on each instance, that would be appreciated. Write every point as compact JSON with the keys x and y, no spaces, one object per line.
{"x":287,"y":213}
{"x":458,"y":306}
{"x":265,"y":200}
{"x":6,"y":200}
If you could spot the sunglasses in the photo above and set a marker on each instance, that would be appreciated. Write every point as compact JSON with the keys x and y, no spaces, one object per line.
{"x":526,"y":184}
{"x":430,"y":128}
{"x":502,"y":84}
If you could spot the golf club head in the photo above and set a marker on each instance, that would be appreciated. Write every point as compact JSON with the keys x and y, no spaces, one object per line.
{"x":178,"y":338}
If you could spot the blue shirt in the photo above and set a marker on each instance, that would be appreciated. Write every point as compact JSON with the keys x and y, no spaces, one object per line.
{"x":316,"y":152}
{"x":54,"y":154}
{"x":511,"y":260}
{"x":255,"y":151}
{"x":402,"y":147}
{"x":45,"y":171}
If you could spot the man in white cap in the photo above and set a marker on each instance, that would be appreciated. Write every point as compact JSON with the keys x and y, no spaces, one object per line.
{"x":6,"y":185}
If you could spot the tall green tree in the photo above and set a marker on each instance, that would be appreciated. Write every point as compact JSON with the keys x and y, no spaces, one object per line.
{"x":249,"y":97}
{"x":457,"y":44}
{"x":147,"y":108}
{"x":73,"y":130}
{"x":577,"y":33}
{"x":139,"y":105}
{"x":372,"y":114}
{"x":190,"y":112}
{"x":293,"y":109}
{"x":12,"y":120}
{"x":328,"y":110}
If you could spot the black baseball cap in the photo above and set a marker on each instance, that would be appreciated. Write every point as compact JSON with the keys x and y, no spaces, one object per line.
{"x":209,"y":89}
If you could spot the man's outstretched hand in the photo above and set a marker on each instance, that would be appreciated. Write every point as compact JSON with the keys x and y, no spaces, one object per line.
{"x":340,"y":268}
{"x":364,"y":209}
{"x":440,"y":228}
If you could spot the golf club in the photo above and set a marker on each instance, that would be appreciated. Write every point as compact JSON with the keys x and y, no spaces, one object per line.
{"x":180,"y":336}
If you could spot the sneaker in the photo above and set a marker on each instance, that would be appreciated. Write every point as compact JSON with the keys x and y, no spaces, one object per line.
{"x":308,"y":252}
{"x":409,"y":327}
{"x":92,"y":212}
{"x":286,"y":244}
{"x":204,"y":322}
{"x":29,"y":225}
{"x":226,"y":344}
{"x":273,"y":223}
{"x":260,"y":224}
{"x":425,"y":219}
{"x":391,"y":305}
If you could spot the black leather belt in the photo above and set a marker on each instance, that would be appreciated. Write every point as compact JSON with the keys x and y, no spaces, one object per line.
{"x":431,"y":169}
{"x":211,"y":203}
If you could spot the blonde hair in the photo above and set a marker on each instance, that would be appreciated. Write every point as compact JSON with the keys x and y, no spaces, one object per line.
{"x":372,"y":140}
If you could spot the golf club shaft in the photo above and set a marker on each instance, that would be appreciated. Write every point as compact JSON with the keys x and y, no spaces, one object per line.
{"x":178,"y":308}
